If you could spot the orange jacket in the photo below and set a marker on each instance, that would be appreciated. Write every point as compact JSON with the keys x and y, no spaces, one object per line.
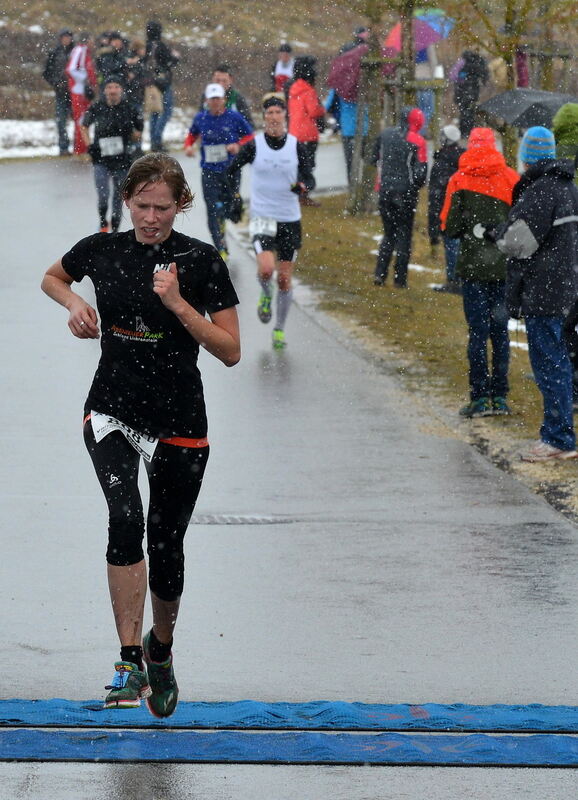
{"x":481,"y":170}
{"x":304,"y":109}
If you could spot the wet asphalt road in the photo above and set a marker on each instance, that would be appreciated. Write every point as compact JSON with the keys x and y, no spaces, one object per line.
{"x":374,"y":558}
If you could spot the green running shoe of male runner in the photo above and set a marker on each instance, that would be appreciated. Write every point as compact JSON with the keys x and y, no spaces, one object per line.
{"x":279,"y":339}
{"x":128,"y":686}
{"x":264,"y":308}
{"x":165,"y":692}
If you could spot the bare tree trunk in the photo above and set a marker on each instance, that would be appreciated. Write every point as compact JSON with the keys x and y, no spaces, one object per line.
{"x":361,"y":198}
{"x":407,"y":66}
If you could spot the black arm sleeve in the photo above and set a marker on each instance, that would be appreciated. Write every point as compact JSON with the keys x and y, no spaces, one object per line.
{"x":246,"y":155}
{"x":304,"y":173}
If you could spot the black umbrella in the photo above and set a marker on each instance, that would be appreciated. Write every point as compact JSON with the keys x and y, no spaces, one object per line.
{"x":525,"y":107}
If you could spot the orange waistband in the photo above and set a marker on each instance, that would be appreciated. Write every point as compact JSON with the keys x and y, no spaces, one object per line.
{"x":178,"y":441}
{"x":181,"y":441}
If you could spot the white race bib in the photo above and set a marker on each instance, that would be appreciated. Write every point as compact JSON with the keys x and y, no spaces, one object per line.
{"x":215,"y":153}
{"x":263,"y":226}
{"x":103,"y":424}
{"x":111,"y":146}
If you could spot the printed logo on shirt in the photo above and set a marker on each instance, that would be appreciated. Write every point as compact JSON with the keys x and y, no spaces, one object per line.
{"x":162,"y":268}
{"x":141,"y":332}
{"x":113,"y":480}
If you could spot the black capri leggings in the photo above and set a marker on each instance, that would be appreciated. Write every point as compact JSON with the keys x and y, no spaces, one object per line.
{"x":175,"y":475}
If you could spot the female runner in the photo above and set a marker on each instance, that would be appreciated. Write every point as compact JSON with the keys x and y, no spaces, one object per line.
{"x":153,"y":288}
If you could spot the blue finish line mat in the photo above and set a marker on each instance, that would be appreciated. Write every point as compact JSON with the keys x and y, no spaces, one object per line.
{"x":292,"y":733}
{"x":304,"y":747}
{"x":328,"y":716}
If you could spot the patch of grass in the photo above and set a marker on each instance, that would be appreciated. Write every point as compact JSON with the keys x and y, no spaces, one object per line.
{"x":421,"y":336}
{"x":425,"y":331}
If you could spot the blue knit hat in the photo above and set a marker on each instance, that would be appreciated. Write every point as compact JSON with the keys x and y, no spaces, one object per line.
{"x":537,"y":144}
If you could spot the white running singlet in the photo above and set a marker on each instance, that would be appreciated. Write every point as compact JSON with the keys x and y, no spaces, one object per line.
{"x":273,"y":173}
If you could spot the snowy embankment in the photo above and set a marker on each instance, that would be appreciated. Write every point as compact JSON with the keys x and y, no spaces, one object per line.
{"x":34,"y":138}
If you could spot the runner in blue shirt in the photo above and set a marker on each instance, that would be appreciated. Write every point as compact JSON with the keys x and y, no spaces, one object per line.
{"x":222,"y":132}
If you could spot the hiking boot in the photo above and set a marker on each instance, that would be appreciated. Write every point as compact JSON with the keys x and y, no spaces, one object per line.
{"x":128,"y":686}
{"x":264,"y":308}
{"x":104,"y":228}
{"x":279,"y":339}
{"x":164,"y":695}
{"x":500,"y":407}
{"x":477,"y":408}
{"x":379,"y":280}
{"x":542,"y":451}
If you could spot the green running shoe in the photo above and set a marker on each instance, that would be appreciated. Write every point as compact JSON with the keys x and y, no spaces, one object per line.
{"x":279,"y":339}
{"x":164,"y":690}
{"x":264,"y":308}
{"x":500,"y":407}
{"x":477,"y":408}
{"x":128,"y":686}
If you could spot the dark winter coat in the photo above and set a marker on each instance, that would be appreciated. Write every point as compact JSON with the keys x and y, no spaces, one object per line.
{"x":445,"y":163}
{"x":55,"y":69}
{"x":473,"y":73}
{"x":111,"y":62}
{"x":402,"y":157}
{"x":540,"y":239}
{"x":479,"y":193}
{"x":159,"y":62}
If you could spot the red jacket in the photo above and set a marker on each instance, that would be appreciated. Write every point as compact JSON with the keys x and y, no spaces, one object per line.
{"x":304,"y":109}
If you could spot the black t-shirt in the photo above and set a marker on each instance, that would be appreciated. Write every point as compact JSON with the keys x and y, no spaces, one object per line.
{"x":147,"y":376}
{"x":113,"y":128}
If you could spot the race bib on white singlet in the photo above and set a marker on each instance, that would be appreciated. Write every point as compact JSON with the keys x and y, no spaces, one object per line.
{"x":263,"y":226}
{"x":103,"y":424}
{"x":215,"y":153}
{"x":111,"y":146}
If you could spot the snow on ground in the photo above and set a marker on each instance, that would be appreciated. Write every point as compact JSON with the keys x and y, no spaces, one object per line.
{"x":34,"y":138}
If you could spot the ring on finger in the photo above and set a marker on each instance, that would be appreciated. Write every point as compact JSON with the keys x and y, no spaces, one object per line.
{"x":81,"y":323}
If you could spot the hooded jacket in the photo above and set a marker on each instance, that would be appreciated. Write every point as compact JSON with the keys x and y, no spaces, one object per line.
{"x":565,"y":128}
{"x":479,"y":193}
{"x":304,"y":110}
{"x":402,"y":154}
{"x":159,"y":59}
{"x":540,"y":238}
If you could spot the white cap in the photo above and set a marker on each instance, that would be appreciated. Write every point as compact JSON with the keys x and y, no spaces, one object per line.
{"x":452,"y":133}
{"x":214,"y":90}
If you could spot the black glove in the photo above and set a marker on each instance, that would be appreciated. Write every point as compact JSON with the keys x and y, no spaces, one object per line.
{"x":299,"y":188}
{"x":235,"y":209}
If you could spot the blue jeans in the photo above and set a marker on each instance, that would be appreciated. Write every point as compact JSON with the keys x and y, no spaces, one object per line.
{"x":103,"y":175}
{"x":452,"y":250}
{"x":216,"y":194}
{"x":159,"y":121}
{"x":62,"y":113}
{"x":553,"y":372}
{"x":487,"y":318}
